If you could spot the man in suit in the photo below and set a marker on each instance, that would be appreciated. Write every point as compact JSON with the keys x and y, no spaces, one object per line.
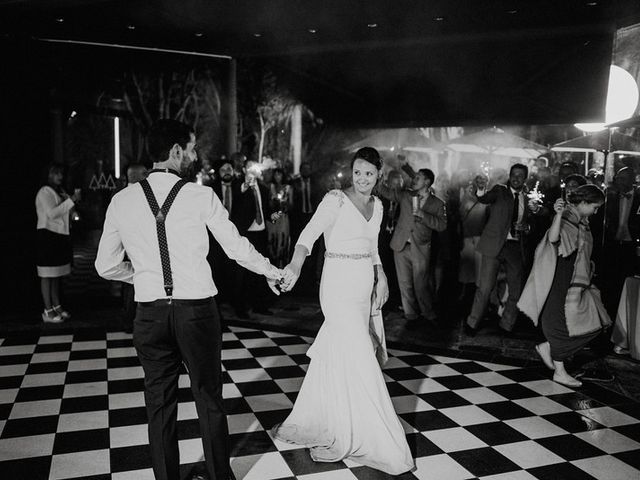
{"x":250,"y":214}
{"x":421,"y":213}
{"x":227,"y":188}
{"x":617,"y":259}
{"x":306,"y":197}
{"x":502,"y":242}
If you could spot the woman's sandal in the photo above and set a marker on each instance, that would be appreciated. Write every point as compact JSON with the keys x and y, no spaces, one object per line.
{"x":51,"y":316}
{"x":62,"y":312}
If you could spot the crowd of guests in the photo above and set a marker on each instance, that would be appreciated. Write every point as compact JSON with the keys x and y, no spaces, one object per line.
{"x":442,"y":240}
{"x":271,"y":213}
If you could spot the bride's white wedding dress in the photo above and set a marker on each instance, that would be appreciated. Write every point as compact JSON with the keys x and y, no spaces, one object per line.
{"x":343,"y":409}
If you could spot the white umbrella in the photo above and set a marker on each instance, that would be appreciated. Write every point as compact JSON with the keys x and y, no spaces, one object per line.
{"x":494,"y":141}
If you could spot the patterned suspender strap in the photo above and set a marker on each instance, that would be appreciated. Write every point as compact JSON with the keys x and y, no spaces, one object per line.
{"x":161,"y":214}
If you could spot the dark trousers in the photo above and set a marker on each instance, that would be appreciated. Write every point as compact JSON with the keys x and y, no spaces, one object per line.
{"x":128,"y":306}
{"x":249,"y":288}
{"x":511,"y":257}
{"x":166,"y":336}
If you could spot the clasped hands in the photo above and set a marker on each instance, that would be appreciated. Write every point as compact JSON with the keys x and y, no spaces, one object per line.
{"x":288,"y":278}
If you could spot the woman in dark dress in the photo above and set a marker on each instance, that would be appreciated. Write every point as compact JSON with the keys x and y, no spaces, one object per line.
{"x":571,"y":314}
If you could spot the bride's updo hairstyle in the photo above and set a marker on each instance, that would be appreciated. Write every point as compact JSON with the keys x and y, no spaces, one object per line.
{"x":586,"y":193}
{"x":369,"y":155}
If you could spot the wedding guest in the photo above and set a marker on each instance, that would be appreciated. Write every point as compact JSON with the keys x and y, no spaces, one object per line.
{"x":54,"y":250}
{"x":565,"y":303}
{"x":502,"y":242}
{"x":616,"y":256}
{"x":278,"y":230}
{"x":391,"y":212}
{"x":227,"y":188}
{"x":421,"y":214}
{"x":306,"y":194}
{"x":250,"y":214}
{"x":473,"y":216}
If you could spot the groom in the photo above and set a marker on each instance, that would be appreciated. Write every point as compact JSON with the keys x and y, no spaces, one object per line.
{"x":177,"y":319}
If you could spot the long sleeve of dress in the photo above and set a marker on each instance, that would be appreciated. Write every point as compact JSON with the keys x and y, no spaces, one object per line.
{"x":322,"y":220}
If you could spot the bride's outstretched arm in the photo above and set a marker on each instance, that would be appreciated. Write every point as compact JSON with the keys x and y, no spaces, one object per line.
{"x":292,"y":271}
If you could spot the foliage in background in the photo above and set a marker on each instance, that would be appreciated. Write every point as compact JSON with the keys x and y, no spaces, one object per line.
{"x":265,"y":111}
{"x":191,"y":96}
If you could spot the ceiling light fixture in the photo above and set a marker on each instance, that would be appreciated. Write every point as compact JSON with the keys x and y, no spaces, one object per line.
{"x":372,"y":25}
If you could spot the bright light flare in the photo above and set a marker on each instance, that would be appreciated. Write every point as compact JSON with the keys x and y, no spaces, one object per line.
{"x":622,"y":99}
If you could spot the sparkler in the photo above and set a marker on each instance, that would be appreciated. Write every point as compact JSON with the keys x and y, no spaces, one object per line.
{"x":485,"y":168}
{"x":535,"y":194}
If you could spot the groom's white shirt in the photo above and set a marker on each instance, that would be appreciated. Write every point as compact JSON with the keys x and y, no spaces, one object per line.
{"x":130,"y":227}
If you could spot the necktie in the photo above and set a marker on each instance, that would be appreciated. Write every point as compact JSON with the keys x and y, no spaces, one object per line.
{"x":227,"y":198}
{"x":514,"y":215}
{"x":258,"y":209}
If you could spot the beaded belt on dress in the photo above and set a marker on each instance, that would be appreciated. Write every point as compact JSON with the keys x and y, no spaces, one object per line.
{"x":349,"y":256}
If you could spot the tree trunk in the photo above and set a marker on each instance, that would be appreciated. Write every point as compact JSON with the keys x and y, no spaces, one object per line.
{"x":296,"y":138}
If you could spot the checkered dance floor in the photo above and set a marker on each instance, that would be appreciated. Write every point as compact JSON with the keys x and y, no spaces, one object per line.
{"x":71,"y":406}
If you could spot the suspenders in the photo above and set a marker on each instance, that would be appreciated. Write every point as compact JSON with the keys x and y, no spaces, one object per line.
{"x":161,"y":214}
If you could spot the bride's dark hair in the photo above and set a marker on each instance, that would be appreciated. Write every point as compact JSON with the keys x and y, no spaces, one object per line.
{"x":369,"y":155}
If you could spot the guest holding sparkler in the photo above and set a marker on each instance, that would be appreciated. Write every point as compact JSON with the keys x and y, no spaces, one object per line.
{"x":566,"y":304}
{"x":502,"y":243}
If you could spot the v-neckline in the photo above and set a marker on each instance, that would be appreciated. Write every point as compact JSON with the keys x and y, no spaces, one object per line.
{"x":358,"y":210}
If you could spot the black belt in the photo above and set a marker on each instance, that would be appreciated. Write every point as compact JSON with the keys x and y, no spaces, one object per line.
{"x":161,"y":302}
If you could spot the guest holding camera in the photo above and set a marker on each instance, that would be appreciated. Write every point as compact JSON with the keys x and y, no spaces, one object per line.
{"x":54,"y":251}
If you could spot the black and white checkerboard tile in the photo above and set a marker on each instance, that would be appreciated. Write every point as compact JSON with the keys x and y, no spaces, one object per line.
{"x":71,"y":406}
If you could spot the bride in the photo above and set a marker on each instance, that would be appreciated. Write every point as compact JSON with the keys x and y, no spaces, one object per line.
{"x":343,"y":409}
